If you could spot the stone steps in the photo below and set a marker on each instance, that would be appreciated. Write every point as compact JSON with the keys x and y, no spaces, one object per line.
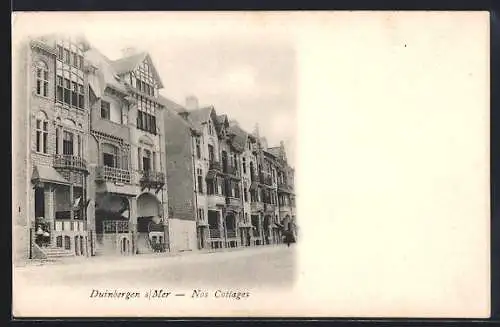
{"x":53,"y":252}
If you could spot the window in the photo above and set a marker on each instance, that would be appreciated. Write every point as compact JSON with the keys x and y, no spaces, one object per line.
{"x":110,"y":155}
{"x":105,"y":110}
{"x":244,"y":166}
{"x":66,"y":56}
{"x":74,"y":94}
{"x":59,"y":52}
{"x":210,"y":128}
{"x":41,"y":133}
{"x":79,"y":148}
{"x":200,"y":180}
{"x":42,"y":79}
{"x":67,"y":91}
{"x":67,"y":143}
{"x":74,"y":59}
{"x":211,"y":153}
{"x":139,"y":155}
{"x":57,"y":140}
{"x":211,"y":187}
{"x":245,"y":194}
{"x":198,"y":149}
{"x":146,"y":160}
{"x":80,"y":62}
{"x":59,"y":89}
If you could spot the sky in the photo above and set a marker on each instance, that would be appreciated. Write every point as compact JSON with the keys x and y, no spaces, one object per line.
{"x":251,"y":78}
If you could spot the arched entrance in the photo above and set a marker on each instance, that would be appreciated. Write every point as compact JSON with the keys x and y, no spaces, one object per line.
{"x":150,"y":229}
{"x":112,"y":215}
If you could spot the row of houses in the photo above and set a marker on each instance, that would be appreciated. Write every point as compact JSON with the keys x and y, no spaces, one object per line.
{"x":105,"y":165}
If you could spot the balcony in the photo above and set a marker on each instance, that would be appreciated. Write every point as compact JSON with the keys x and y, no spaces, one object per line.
{"x":232,"y":171}
{"x":285,"y":188}
{"x":70,"y":162}
{"x":70,"y":225}
{"x":151,"y":179}
{"x":231,"y":234}
{"x":115,"y":226}
{"x":269,"y":207}
{"x":266,"y":179}
{"x":215,"y":200}
{"x":215,"y":165}
{"x":256,"y":206}
{"x":112,"y":174}
{"x":233,"y":202}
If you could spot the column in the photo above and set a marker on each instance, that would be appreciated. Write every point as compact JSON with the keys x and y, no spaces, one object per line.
{"x":261,"y":229}
{"x":133,"y":223}
{"x":48,"y":194}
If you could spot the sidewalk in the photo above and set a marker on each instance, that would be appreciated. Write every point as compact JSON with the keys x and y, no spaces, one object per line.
{"x":140,"y":259}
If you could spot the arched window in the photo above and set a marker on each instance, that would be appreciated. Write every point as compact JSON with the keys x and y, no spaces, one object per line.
{"x":42,"y":132}
{"x":244,"y":166}
{"x":42,"y":79}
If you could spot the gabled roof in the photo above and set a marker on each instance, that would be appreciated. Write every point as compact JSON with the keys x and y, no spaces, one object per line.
{"x":239,"y":138}
{"x":177,"y":110}
{"x":275,"y":151}
{"x":107,"y":75}
{"x":130,"y":63}
{"x":201,"y":115}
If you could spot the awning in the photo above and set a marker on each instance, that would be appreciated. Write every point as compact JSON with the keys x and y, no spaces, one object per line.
{"x":48,"y":174}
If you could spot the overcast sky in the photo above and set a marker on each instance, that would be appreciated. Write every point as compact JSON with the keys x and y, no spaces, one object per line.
{"x":251,"y":78}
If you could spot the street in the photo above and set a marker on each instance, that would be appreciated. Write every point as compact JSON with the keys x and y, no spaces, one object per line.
{"x":266,"y":267}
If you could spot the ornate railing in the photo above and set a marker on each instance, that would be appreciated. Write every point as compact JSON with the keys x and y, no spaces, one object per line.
{"x":215,"y":233}
{"x":69,"y":161}
{"x":231,"y":234}
{"x":148,"y":176}
{"x":115,"y":226}
{"x":269,"y":207}
{"x":233,"y":201}
{"x":285,"y":187}
{"x":112,"y":174}
{"x":215,"y":165}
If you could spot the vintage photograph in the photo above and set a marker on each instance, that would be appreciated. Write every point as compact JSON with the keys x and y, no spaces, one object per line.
{"x":250,"y":164}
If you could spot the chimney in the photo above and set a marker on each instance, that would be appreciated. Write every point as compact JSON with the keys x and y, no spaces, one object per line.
{"x":282,"y":145}
{"x":130,"y":51}
{"x":191,"y":102}
{"x":256,"y":130}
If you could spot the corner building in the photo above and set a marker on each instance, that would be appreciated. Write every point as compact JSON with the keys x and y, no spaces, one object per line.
{"x":51,"y":132}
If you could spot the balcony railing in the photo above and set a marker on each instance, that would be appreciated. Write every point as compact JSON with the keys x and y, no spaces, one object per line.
{"x":256,"y":206}
{"x":269,"y":207}
{"x":115,"y":226}
{"x":214,"y":233}
{"x":112,"y":174}
{"x":70,"y":225}
{"x":285,"y":187}
{"x":152,"y":177}
{"x":231,"y":170}
{"x":69,"y":161}
{"x":233,"y":201}
{"x":215,"y":165}
{"x":231,"y":234}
